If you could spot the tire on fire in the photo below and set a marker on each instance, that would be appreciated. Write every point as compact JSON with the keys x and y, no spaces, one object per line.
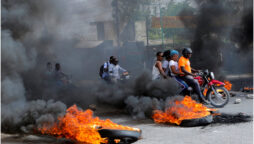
{"x":126,"y":136}
{"x":197,"y":122}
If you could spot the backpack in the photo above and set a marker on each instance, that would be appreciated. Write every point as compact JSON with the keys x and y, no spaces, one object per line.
{"x":101,"y":69}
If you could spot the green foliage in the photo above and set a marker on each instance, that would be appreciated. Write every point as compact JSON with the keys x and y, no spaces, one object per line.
{"x":154,"y":34}
{"x":130,"y":9}
{"x":174,"y":8}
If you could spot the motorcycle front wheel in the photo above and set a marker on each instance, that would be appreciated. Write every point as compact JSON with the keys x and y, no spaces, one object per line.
{"x":218,"y":96}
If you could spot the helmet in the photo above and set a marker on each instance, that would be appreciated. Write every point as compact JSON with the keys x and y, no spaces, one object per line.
{"x":111,"y":59}
{"x":186,"y":51}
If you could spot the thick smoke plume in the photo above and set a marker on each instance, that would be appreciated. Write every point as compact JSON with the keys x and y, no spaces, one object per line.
{"x":221,"y":31}
{"x":140,"y":96}
{"x":34,"y":33}
{"x":37,"y":32}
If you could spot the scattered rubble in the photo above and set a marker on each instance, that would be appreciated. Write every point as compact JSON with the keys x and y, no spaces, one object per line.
{"x":237,"y":101}
{"x":232,"y":94}
{"x":249,"y":96}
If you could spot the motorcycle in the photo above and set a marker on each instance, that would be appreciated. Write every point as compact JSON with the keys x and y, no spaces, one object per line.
{"x":123,"y":78}
{"x":212,"y":89}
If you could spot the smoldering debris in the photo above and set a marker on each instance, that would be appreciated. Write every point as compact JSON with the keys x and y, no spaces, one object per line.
{"x":225,"y":118}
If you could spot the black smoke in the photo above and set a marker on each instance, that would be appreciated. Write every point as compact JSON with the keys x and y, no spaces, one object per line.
{"x":242,"y":35}
{"x":221,"y":29}
{"x":37,"y":32}
{"x":139,"y":96}
{"x":34,"y":33}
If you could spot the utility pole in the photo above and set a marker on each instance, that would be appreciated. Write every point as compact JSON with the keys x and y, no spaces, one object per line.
{"x":147,"y":34}
{"x":173,"y":38}
{"x":117,"y":25}
{"x":161,"y":23}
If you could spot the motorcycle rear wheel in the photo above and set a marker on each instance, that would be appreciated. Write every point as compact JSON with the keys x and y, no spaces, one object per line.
{"x":215,"y":100}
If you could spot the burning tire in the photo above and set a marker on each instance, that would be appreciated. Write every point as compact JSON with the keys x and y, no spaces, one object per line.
{"x":124,"y":136}
{"x":220,"y":99}
{"x":197,"y":122}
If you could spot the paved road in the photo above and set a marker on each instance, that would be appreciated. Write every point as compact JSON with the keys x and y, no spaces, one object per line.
{"x":241,"y":133}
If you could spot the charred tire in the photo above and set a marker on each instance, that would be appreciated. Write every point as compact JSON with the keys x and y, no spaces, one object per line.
{"x":226,"y":97}
{"x":126,"y":136}
{"x":197,"y":122}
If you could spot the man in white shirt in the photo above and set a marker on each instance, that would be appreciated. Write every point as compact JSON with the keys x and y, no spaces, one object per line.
{"x":115,"y":70}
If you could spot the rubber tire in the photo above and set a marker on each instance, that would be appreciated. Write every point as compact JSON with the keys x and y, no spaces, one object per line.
{"x":126,"y":136}
{"x":212,"y":102}
{"x":197,"y":122}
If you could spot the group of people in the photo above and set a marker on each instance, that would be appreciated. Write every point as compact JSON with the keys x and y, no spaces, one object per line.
{"x":111,"y":71}
{"x":180,"y":70}
{"x":171,"y":67}
{"x":57,"y":75}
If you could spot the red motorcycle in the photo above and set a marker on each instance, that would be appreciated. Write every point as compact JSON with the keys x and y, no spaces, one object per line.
{"x":213,"y":90}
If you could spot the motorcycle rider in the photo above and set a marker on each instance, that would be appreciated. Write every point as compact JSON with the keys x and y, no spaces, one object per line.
{"x":157,"y":72}
{"x":188,"y":76}
{"x":115,"y":69}
{"x":174,"y":70}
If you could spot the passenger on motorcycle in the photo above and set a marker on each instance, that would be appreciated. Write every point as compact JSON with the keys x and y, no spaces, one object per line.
{"x":115,"y":69}
{"x":157,"y":72}
{"x":106,"y":65}
{"x":174,"y":71}
{"x":165,"y":63}
{"x":188,"y":76}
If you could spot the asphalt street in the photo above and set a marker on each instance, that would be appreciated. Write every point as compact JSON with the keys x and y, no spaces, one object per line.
{"x":152,"y":133}
{"x":239,"y":133}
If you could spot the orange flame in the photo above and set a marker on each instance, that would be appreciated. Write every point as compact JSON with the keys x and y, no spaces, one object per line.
{"x":81,"y":126}
{"x":205,"y":91}
{"x":182,"y":110}
{"x":228,"y":85}
{"x":247,"y":89}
